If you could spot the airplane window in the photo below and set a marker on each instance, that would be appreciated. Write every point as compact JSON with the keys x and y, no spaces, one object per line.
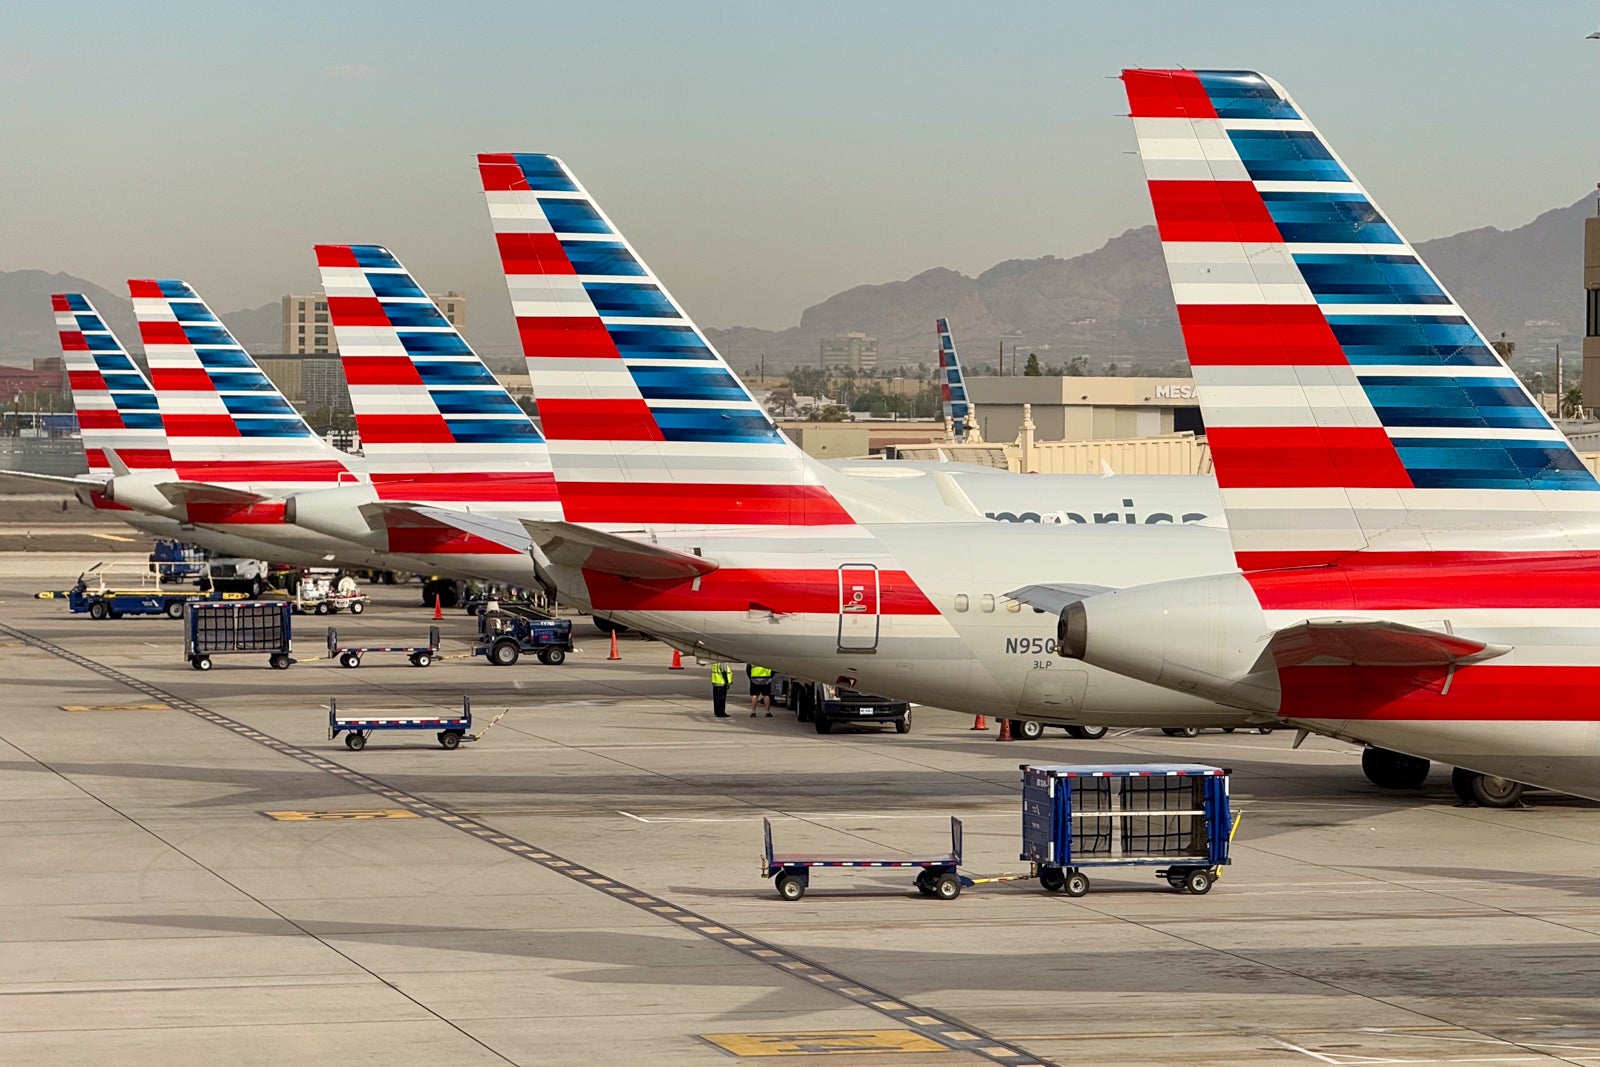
{"x":1015,"y":606}
{"x":986,"y":602}
{"x":961,"y":602}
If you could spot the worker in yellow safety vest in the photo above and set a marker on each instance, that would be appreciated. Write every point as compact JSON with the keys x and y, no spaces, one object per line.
{"x":721,"y":679}
{"x":760,"y":688}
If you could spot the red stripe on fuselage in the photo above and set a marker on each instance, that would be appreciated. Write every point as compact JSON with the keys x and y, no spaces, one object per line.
{"x":1479,"y":693}
{"x":688,"y":504}
{"x":1212,"y":211}
{"x":1305,"y":457}
{"x":1411,"y":581}
{"x":444,"y":541}
{"x":1259,"y":335}
{"x":501,"y":486}
{"x":779,"y":590}
{"x":1162,"y":94}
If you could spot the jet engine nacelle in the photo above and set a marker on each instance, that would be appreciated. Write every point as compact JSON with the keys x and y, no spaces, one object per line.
{"x":1206,"y":636}
{"x":139,"y":491}
{"x":336,"y":513}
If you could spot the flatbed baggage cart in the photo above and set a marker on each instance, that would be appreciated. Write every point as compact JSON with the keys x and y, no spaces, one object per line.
{"x":938,"y":875}
{"x":226,"y":627}
{"x":1174,"y":817}
{"x":451,"y":730}
{"x":350,"y":655}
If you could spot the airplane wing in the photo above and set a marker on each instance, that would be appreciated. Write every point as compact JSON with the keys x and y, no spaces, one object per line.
{"x":579,"y":546}
{"x":1054,"y":598}
{"x":202,"y":493}
{"x":1368,"y":643}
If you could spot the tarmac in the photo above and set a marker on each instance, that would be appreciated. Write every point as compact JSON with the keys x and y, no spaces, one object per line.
{"x":192,"y":873}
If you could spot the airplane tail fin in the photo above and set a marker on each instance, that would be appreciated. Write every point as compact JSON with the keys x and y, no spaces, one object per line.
{"x":115,"y":404}
{"x":434,"y":423}
{"x":1350,"y":404}
{"x":952,"y":386}
{"x":220,"y":411}
{"x":647,"y":425}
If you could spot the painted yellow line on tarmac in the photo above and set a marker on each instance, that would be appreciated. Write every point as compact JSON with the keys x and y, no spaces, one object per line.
{"x":824,"y":1043}
{"x":116,"y":707}
{"x":335,"y":816}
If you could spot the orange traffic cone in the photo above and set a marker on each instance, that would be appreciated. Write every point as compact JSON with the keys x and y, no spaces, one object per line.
{"x":1005,"y":730}
{"x":614,"y":653}
{"x":677,"y":661}
{"x":438,"y":608}
{"x":980,"y":723}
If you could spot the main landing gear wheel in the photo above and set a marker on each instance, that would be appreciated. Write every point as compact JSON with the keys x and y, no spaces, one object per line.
{"x":1029,"y":729}
{"x":1086,"y":733}
{"x":1485,"y":790}
{"x":1181,"y":731}
{"x":1393,"y":770}
{"x":791,"y":886}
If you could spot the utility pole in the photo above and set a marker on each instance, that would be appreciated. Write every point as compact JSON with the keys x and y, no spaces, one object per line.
{"x":1560,"y":393}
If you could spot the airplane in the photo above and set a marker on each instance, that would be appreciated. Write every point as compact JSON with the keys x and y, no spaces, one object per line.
{"x":958,"y":414}
{"x":686,"y":514}
{"x":118,"y":416}
{"x":1416,"y":547}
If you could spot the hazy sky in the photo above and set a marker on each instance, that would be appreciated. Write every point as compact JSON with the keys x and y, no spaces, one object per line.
{"x":761,"y":156}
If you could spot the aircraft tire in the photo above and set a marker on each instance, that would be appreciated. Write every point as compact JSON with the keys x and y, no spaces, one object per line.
{"x":1393,"y":770}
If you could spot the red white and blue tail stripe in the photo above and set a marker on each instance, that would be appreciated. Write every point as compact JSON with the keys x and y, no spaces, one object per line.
{"x":646,"y":423}
{"x":226,"y":423}
{"x":115,"y":405}
{"x":1349,"y":401}
{"x":435,"y":425}
{"x":952,"y":387}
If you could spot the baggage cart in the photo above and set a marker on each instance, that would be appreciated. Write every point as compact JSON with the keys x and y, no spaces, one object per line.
{"x":938,"y":875}
{"x":350,"y":655}
{"x":220,"y":628}
{"x":1174,"y":817}
{"x":451,"y":730}
{"x":506,"y":632}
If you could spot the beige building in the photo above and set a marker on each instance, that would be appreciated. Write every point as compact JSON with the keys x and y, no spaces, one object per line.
{"x":309,"y":381}
{"x":851,"y":349}
{"x":307,"y":331}
{"x":1085,"y":409}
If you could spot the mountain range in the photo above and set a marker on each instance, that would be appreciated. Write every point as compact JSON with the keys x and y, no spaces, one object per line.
{"x":1111,"y":305}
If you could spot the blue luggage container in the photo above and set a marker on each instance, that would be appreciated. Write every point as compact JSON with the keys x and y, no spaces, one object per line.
{"x":1173,"y":816}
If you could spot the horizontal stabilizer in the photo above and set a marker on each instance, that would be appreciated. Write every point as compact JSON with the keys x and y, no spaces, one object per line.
{"x":1054,"y":598}
{"x":77,"y":481}
{"x":1367,"y":643}
{"x":569,"y":545}
{"x":504,"y":532}
{"x":203,"y":493}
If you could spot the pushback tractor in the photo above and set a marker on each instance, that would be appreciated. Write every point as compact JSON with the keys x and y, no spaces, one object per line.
{"x":1174,"y":817}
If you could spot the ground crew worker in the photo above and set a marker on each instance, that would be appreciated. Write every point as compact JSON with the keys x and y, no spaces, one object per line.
{"x":760,"y":689}
{"x":721,"y":679}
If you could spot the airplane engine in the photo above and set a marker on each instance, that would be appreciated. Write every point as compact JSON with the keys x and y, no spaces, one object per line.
{"x":139,"y":491}
{"x":1205,"y":636}
{"x":336,"y":513}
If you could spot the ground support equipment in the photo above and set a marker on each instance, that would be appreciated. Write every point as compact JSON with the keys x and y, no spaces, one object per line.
{"x":1174,"y":817}
{"x":450,"y":730}
{"x":350,"y":655}
{"x":938,"y":875}
{"x":226,"y":627}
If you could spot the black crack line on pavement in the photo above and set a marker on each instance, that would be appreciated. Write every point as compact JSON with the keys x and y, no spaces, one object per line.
{"x":940,"y":1027}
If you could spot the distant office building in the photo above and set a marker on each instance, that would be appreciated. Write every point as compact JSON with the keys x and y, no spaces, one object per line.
{"x":310,"y":381}
{"x":1591,"y":330}
{"x":851,"y":349}
{"x":307,"y":331}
